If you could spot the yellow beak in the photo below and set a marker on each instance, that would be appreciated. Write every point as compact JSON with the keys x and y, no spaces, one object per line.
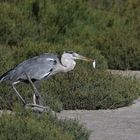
{"x":85,"y":58}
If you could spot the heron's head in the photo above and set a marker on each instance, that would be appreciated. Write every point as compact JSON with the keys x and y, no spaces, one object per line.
{"x":74,"y":56}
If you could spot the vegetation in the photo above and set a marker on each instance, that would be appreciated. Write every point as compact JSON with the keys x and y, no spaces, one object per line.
{"x":29,"y":28}
{"x":118,"y":37}
{"x":27,"y":125}
{"x":90,"y":89}
{"x":102,"y":29}
{"x":112,"y":27}
{"x":83,"y":88}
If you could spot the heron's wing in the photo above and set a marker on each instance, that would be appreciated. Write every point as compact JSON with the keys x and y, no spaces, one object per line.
{"x":37,"y":67}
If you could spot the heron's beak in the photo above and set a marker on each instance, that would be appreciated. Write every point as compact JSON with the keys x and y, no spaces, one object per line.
{"x":85,"y":58}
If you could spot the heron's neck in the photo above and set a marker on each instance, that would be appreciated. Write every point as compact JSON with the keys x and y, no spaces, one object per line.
{"x":68,"y":63}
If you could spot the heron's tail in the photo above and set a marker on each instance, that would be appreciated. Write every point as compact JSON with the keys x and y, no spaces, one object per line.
{"x":1,"y":79}
{"x":4,"y":76}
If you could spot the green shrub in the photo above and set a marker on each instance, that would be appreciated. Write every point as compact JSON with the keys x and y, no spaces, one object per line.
{"x":119,"y":43}
{"x":41,"y":21}
{"x":6,"y":58}
{"x":79,"y":132}
{"x":15,"y":26}
{"x":88,"y":89}
{"x":117,"y":32}
{"x":112,"y":27}
{"x":26,"y":125}
{"x":53,"y":102}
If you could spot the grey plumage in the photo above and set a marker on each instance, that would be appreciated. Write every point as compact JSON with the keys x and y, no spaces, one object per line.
{"x":37,"y":67}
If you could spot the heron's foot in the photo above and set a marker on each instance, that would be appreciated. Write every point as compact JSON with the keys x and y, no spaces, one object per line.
{"x":39,"y":108}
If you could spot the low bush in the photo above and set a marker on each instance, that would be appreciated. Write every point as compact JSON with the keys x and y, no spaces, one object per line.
{"x":88,"y":89}
{"x":112,"y":27}
{"x":15,"y":26}
{"x":27,"y":125}
{"x":79,"y":131}
{"x":41,"y":21}
{"x":117,"y":33}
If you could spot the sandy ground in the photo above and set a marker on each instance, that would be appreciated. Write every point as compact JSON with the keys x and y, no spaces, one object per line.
{"x":129,"y":73}
{"x":118,"y":124}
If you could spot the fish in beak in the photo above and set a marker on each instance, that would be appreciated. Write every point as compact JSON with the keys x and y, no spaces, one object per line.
{"x":94,"y":64}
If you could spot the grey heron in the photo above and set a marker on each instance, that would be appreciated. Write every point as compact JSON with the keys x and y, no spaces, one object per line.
{"x":40,"y":67}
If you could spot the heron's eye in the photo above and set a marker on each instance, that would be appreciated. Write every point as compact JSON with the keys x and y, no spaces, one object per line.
{"x":75,"y":54}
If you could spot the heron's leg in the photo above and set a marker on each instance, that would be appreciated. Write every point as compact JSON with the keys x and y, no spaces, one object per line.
{"x":37,"y":99}
{"x":34,"y":99}
{"x":38,"y":87}
{"x":36,"y":96}
{"x":23,"y":101}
